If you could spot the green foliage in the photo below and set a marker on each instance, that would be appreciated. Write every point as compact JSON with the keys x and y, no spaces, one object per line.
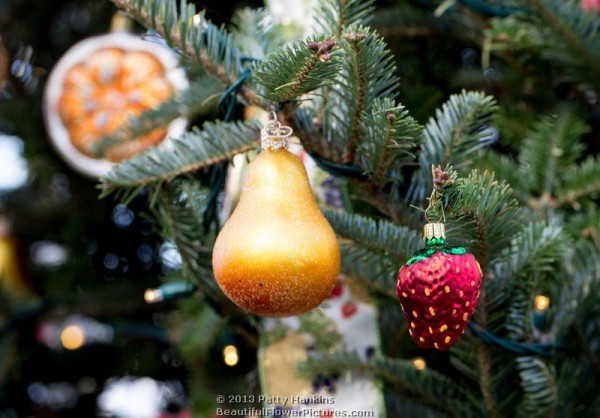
{"x":194,"y":150}
{"x":375,"y":272}
{"x":252,"y":32}
{"x":532,"y":256}
{"x":380,"y":236}
{"x":457,"y":132}
{"x":352,"y":97}
{"x":552,"y":142}
{"x":296,"y":70}
{"x":560,"y":31}
{"x":179,"y":211}
{"x":540,"y":393}
{"x":390,"y":140}
{"x":578,"y":182}
{"x":322,"y":330}
{"x":334,"y":15}
{"x":481,"y":212}
{"x":376,"y":251}
{"x":210,"y":46}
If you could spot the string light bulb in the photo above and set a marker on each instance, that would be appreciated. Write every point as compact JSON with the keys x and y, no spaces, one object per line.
{"x":198,"y":20}
{"x":72,"y":337}
{"x":230,"y":355}
{"x":167,"y":291}
{"x":419,"y":363}
{"x":541,"y":302}
{"x":152,"y":296}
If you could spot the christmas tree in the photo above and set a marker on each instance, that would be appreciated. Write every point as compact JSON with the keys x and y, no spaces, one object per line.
{"x":495,"y":134}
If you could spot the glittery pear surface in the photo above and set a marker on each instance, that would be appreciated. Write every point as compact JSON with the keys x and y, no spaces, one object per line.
{"x":438,"y":295}
{"x":277,"y":255}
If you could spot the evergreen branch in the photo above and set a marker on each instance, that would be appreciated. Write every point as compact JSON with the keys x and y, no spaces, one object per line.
{"x":482,"y":214}
{"x":498,"y":363}
{"x":536,"y":248}
{"x":375,"y":271}
{"x":532,"y":256}
{"x":540,"y":393}
{"x":486,"y":385}
{"x":398,"y":242}
{"x":433,"y":388}
{"x":355,"y":72}
{"x":322,"y":329}
{"x":518,"y":324}
{"x":552,"y":142}
{"x":565,"y":17}
{"x":586,"y":225}
{"x":484,"y":361}
{"x":209,"y":45}
{"x":368,"y":73}
{"x":252,"y":32}
{"x":297,"y":69}
{"x":194,"y":150}
{"x":200,"y":332}
{"x":390,"y":138}
{"x":334,"y":15}
{"x":179,"y":212}
{"x":507,"y":170}
{"x":456,"y":133}
{"x":578,"y":182}
{"x":582,"y":272}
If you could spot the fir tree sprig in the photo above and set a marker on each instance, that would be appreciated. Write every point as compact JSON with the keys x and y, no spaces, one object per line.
{"x":532,"y":257}
{"x":482,"y":211}
{"x":178,"y":211}
{"x":539,"y":387}
{"x":212,"y":47}
{"x":579,"y":182}
{"x":332,"y":16}
{"x":358,"y":86}
{"x":194,"y":150}
{"x":375,"y":272}
{"x":390,"y":140}
{"x":298,"y":69}
{"x":458,"y":130}
{"x":575,"y":33}
{"x":380,"y":236}
{"x":552,"y":142}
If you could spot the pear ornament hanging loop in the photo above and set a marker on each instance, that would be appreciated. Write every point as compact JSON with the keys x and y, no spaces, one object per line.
{"x":274,"y":136}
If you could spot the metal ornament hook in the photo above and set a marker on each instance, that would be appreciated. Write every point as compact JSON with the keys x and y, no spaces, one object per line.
{"x":274,"y":136}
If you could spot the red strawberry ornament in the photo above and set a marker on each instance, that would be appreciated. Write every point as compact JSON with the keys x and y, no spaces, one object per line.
{"x":438,"y":290}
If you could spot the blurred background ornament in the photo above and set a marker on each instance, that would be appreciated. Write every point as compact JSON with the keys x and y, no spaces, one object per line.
{"x":13,"y":279}
{"x":143,"y":397}
{"x":97,"y":87}
{"x":591,"y":5}
{"x":346,"y":321}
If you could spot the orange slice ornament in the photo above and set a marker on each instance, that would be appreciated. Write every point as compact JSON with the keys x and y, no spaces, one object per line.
{"x":96,"y":87}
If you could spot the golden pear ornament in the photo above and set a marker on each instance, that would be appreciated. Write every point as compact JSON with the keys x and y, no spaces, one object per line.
{"x":276,"y":255}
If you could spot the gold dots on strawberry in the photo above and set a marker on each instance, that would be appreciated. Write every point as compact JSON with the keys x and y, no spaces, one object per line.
{"x":439,"y":288}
